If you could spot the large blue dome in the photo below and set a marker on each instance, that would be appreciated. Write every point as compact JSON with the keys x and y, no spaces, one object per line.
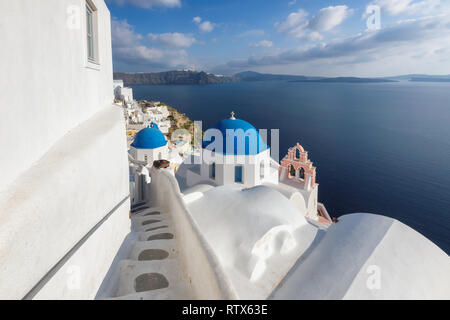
{"x":149,"y":138}
{"x":254,"y":144}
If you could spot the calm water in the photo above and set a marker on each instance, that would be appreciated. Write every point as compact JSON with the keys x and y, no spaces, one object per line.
{"x":378,"y":148}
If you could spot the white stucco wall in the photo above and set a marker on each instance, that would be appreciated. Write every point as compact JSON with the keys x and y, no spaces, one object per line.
{"x":256,"y":233}
{"x":225,"y":167}
{"x":127,"y":94}
{"x":49,"y":84}
{"x":367,"y":256}
{"x":64,"y":188}
{"x":305,"y":200}
{"x":152,"y":154}
{"x":51,"y":207}
{"x":81,"y":276}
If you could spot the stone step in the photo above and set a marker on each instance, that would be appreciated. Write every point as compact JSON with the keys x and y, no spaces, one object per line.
{"x":146,"y":210}
{"x":143,"y":276}
{"x":157,"y":250}
{"x":139,"y":207}
{"x":158,"y":234}
{"x":178,"y":292}
{"x":142,"y":224}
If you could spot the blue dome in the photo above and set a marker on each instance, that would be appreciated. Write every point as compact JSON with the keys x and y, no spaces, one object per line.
{"x":149,"y":138}
{"x":254,"y":144}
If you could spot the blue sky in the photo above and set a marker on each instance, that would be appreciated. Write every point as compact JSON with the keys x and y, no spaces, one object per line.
{"x":309,"y":37}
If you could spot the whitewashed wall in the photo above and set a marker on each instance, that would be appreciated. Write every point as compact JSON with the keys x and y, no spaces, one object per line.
{"x":49,"y":88}
{"x":64,"y":206}
{"x":127,"y":94}
{"x":207,"y":276}
{"x":225,"y":166}
{"x":152,"y":154}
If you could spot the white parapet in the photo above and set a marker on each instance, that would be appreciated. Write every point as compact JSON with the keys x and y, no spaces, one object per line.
{"x":64,"y":219}
{"x":208,"y":280}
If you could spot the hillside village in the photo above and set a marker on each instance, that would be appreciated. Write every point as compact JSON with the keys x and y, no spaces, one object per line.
{"x":142,"y":114}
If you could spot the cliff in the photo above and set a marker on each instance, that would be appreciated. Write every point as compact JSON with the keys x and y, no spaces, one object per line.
{"x":170,"y":77}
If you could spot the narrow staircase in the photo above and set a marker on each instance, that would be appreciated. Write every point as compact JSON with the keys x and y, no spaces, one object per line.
{"x":154,"y":269}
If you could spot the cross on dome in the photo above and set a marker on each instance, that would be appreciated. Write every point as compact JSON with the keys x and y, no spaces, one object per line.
{"x":232,"y":115}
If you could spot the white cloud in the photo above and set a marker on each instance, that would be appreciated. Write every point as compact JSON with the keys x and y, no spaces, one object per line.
{"x":295,"y":24}
{"x":123,"y":34}
{"x":150,"y":3}
{"x":395,"y":7}
{"x":291,"y":3}
{"x":251,"y":33}
{"x":262,"y":44}
{"x":205,"y":26}
{"x":130,"y":49}
{"x":173,"y":40}
{"x":298,"y":24}
{"x":328,"y":18}
{"x":394,"y":49}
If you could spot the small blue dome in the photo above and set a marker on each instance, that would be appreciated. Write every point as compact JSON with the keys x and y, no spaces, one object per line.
{"x":149,"y":138}
{"x":254,"y":144}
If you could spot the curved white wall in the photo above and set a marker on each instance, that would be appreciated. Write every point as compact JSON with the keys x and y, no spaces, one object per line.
{"x":207,"y":276}
{"x":366,"y":256}
{"x":47,"y":86}
{"x":47,"y":211}
{"x":64,"y":190}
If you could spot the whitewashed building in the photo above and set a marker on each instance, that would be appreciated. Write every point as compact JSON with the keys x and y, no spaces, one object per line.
{"x":234,"y":154}
{"x":117,"y":87}
{"x":149,"y":145}
{"x":122,"y":93}
{"x":64,"y":191}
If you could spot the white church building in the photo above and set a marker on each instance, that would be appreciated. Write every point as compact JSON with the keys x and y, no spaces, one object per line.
{"x":234,"y":153}
{"x":149,"y":145}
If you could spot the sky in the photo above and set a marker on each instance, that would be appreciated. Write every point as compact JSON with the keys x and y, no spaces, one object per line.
{"x":365,"y":38}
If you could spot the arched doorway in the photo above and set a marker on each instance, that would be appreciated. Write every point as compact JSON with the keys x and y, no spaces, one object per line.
{"x":302,"y":173}
{"x":291,"y":171}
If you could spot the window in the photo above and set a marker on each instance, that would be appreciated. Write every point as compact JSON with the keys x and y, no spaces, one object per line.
{"x":91,"y":32}
{"x":238,"y":174}
{"x":212,"y":172}
{"x":297,"y":153}
{"x":145,"y":158}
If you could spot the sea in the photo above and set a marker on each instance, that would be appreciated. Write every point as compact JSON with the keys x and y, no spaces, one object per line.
{"x":381,"y":148}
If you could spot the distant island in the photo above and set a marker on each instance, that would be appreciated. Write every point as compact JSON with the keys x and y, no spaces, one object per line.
{"x":348,"y":80}
{"x":171,"y":77}
{"x":422,"y":79}
{"x":255,"y":76}
{"x":189,"y":77}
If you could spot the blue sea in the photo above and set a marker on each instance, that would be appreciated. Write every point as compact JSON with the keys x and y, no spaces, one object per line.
{"x":380,"y":148}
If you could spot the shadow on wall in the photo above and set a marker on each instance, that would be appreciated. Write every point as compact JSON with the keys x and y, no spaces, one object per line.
{"x":109,"y":286}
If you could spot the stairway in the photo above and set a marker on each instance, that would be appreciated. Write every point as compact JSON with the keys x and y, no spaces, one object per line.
{"x":154,"y":269}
